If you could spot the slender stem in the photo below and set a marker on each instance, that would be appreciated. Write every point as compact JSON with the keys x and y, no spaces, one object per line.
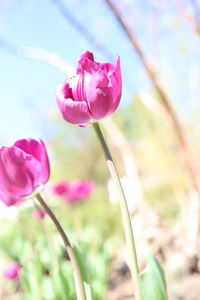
{"x":49,"y":238}
{"x":125,"y":213}
{"x":80,"y":290}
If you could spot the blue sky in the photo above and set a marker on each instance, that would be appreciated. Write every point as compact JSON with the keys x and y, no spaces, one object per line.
{"x":27,"y":93}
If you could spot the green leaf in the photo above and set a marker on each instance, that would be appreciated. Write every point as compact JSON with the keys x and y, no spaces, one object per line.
{"x":82,"y":261}
{"x":153,"y":280}
{"x":85,"y":272}
{"x":34,"y":279}
{"x":61,"y":286}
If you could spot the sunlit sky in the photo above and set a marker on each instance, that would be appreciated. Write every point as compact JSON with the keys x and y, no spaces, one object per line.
{"x":27,"y":90}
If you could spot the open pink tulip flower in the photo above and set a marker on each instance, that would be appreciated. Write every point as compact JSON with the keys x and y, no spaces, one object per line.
{"x":12,"y":271}
{"x":92,"y":94}
{"x":23,"y":168}
{"x":39,"y":214}
{"x":79,"y":190}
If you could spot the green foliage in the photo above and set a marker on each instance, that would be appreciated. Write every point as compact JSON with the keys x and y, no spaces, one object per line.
{"x":153,"y":281}
{"x":35,"y":245}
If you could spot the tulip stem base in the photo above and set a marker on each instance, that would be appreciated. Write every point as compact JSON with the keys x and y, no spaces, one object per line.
{"x":124,"y":211}
{"x":79,"y":285}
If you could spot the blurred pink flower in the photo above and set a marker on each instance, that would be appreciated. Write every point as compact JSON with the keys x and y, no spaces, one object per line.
{"x":93,"y":93}
{"x":23,"y":167}
{"x":12,"y":271}
{"x":74,"y":191}
{"x":39,"y":214}
{"x":61,"y":188}
{"x":79,"y":190}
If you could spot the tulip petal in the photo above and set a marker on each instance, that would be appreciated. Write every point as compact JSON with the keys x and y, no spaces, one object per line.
{"x":14,"y":178}
{"x":108,"y":68}
{"x":45,"y":166}
{"x":7,"y":199}
{"x":100,"y":101}
{"x":91,"y":67}
{"x":116,"y":82}
{"x":98,"y":92}
{"x":75,"y":112}
{"x":38,"y":151}
{"x":86,"y":55}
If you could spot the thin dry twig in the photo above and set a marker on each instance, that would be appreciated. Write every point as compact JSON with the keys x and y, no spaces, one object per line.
{"x":192,"y":21}
{"x":80,"y":27}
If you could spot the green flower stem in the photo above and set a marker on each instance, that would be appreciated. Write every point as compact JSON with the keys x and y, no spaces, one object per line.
{"x":49,"y":238}
{"x":80,"y":290}
{"x":125,"y":213}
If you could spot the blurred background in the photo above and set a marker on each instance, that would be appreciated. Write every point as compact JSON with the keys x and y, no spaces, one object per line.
{"x":154,"y":136}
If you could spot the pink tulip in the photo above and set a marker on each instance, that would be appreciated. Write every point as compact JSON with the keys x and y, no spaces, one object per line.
{"x":12,"y":271}
{"x":92,"y":94}
{"x":61,"y":188}
{"x":79,"y":190}
{"x":39,"y":214}
{"x":23,"y":168}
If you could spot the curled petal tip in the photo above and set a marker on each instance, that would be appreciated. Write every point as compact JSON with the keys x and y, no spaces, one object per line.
{"x":87,"y":55}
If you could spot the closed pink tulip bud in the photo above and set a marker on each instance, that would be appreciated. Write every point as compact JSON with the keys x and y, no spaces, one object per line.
{"x":39,"y":214}
{"x":79,"y":190}
{"x":12,"y":271}
{"x":23,"y":168}
{"x":92,"y":94}
{"x":61,"y":188}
